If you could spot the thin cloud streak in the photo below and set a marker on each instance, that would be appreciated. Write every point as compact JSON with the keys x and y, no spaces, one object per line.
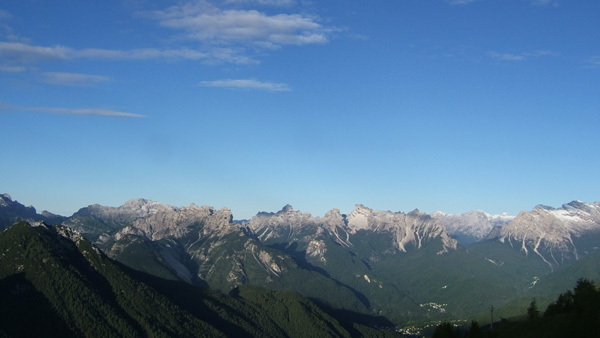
{"x":17,"y":53}
{"x":276,"y":3}
{"x":71,"y":111}
{"x":593,"y":62}
{"x":544,"y":3}
{"x":520,"y":57}
{"x":460,"y":2}
{"x":73,"y":79}
{"x":22,"y":53}
{"x":12,"y":69}
{"x":247,"y":84}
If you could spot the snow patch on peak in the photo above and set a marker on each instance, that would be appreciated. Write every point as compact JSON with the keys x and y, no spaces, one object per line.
{"x":554,"y":233}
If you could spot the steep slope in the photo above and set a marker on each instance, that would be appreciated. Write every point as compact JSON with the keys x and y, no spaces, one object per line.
{"x":557,"y":236}
{"x":89,"y":295}
{"x":204,"y":246}
{"x":78,"y":291}
{"x":406,"y":231}
{"x":405,"y":265}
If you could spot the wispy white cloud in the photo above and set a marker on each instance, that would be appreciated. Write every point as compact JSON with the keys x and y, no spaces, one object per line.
{"x":70,"y":111}
{"x":553,"y":3}
{"x":4,"y":18}
{"x":506,"y":56}
{"x":4,"y":15}
{"x":460,"y":2}
{"x":278,"y":3}
{"x":73,"y":79}
{"x":12,"y":69}
{"x":202,"y":21}
{"x":22,"y":53}
{"x":18,"y":53}
{"x":211,"y":55}
{"x":593,"y":62}
{"x":520,"y":56}
{"x":224,"y":35}
{"x":247,"y":84}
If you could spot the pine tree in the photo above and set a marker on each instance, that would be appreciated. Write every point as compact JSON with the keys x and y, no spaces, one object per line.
{"x":446,"y":330}
{"x":475,"y":331}
{"x":532,"y":311}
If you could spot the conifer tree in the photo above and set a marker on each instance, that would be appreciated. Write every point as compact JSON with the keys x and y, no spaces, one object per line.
{"x":532,"y":311}
{"x":475,"y":331}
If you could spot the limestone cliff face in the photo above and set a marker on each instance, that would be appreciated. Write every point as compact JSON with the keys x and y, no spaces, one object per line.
{"x":177,"y":222}
{"x":407,"y":230}
{"x":413,"y":229}
{"x":555,"y":235}
{"x":128,"y":212}
{"x":292,"y":225}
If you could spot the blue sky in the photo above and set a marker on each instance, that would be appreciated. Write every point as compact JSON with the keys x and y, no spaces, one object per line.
{"x":449,"y":105}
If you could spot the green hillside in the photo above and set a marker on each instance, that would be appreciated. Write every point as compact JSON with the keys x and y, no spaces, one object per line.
{"x":572,"y":314}
{"x":53,"y":282}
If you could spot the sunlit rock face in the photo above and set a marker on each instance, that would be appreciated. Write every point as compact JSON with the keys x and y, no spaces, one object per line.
{"x":556,"y":235}
{"x":410,"y":230}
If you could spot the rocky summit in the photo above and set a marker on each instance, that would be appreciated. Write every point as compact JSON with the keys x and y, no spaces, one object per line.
{"x":556,"y":235}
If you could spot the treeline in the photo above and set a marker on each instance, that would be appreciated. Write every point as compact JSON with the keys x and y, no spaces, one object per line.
{"x":574,"y":314}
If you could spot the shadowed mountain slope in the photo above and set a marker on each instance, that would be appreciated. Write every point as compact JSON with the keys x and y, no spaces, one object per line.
{"x":56,"y":283}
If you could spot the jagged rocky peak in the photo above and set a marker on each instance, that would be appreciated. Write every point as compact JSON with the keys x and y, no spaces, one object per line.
{"x":540,"y":233}
{"x":220,"y":218}
{"x":334,"y":218}
{"x":287,"y":216}
{"x":129,"y":211}
{"x":554,"y":234}
{"x":414,"y":228}
{"x":575,"y":216}
{"x":471,"y":226}
{"x":145,"y":207}
{"x":13,"y":211}
{"x":177,"y":222}
{"x":363,"y":218}
{"x":358,"y":219}
{"x":5,"y":199}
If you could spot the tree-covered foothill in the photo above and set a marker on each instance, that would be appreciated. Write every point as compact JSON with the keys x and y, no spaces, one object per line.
{"x":574,"y":314}
{"x":55,"y":283}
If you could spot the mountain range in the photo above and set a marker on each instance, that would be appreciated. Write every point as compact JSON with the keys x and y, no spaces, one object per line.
{"x":407,"y":267}
{"x":55,"y":283}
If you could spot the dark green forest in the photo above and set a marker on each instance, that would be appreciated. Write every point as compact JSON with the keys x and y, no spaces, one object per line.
{"x":575,"y":313}
{"x":55,"y":283}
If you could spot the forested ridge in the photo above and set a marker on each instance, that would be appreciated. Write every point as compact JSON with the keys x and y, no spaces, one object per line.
{"x":575,"y":313}
{"x":55,"y":283}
